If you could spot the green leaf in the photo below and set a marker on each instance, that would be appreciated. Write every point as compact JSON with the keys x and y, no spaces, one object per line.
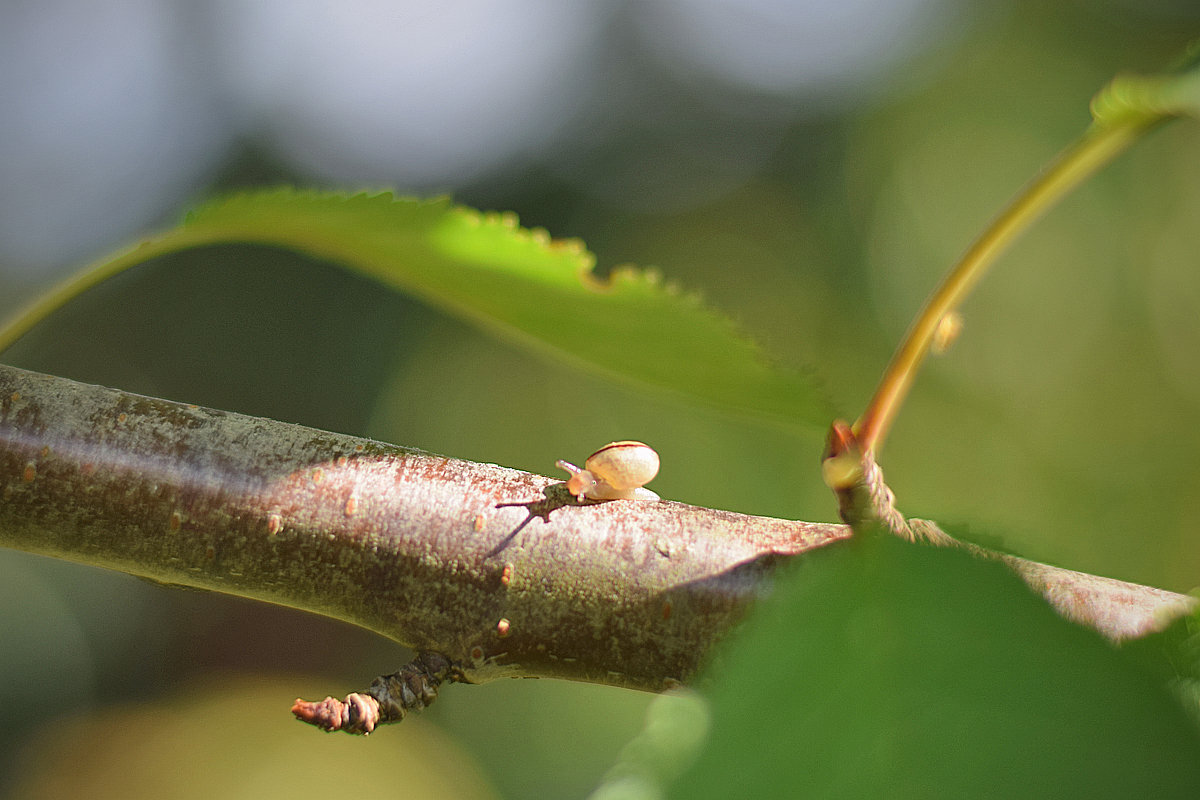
{"x":883,"y":669}
{"x":516,"y":283}
{"x":675,"y":728}
{"x":1174,"y":654}
{"x":1152,"y":97}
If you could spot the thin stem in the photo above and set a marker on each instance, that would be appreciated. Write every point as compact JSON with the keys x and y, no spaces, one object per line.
{"x":1100,"y":145}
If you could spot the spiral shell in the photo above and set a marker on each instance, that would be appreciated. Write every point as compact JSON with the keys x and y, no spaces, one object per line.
{"x":616,"y":471}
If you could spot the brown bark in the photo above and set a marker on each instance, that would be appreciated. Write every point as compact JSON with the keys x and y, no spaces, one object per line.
{"x":404,"y":543}
{"x":500,"y":571}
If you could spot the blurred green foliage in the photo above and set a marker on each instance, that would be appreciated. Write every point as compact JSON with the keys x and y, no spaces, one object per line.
{"x":884,"y":669}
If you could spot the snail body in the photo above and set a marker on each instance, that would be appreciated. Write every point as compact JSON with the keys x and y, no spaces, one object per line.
{"x":616,"y":471}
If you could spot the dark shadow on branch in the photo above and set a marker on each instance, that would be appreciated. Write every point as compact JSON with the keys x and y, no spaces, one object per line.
{"x":556,"y":497}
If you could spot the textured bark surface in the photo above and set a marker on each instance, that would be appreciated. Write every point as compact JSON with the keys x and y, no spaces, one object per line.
{"x":500,"y":571}
{"x":407,"y":544}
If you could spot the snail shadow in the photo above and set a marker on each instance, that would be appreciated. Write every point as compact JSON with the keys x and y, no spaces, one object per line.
{"x":556,"y":497}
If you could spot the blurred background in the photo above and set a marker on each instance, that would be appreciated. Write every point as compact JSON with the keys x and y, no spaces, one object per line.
{"x":811,"y":168}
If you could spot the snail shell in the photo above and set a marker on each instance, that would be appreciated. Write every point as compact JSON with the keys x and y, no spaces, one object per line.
{"x":616,"y":471}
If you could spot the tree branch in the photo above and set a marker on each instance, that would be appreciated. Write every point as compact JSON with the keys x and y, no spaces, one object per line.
{"x":499,"y":572}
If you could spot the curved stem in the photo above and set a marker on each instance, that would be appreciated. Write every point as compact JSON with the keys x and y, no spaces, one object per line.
{"x":97,"y":272}
{"x":1101,"y":144}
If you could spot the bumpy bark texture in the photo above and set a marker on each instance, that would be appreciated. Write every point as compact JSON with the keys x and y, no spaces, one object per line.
{"x":499,"y":572}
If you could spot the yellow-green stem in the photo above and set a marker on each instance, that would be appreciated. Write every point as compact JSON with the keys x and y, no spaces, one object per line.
{"x":1101,"y":144}
{"x":95,"y":273}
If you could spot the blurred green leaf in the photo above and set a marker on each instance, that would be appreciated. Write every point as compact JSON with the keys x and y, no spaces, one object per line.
{"x":516,"y":283}
{"x":1174,"y":654}
{"x":675,"y":728}
{"x":1154,"y":96}
{"x":882,"y":669}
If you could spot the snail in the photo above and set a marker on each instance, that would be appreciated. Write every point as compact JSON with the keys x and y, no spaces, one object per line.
{"x":614,"y":472}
